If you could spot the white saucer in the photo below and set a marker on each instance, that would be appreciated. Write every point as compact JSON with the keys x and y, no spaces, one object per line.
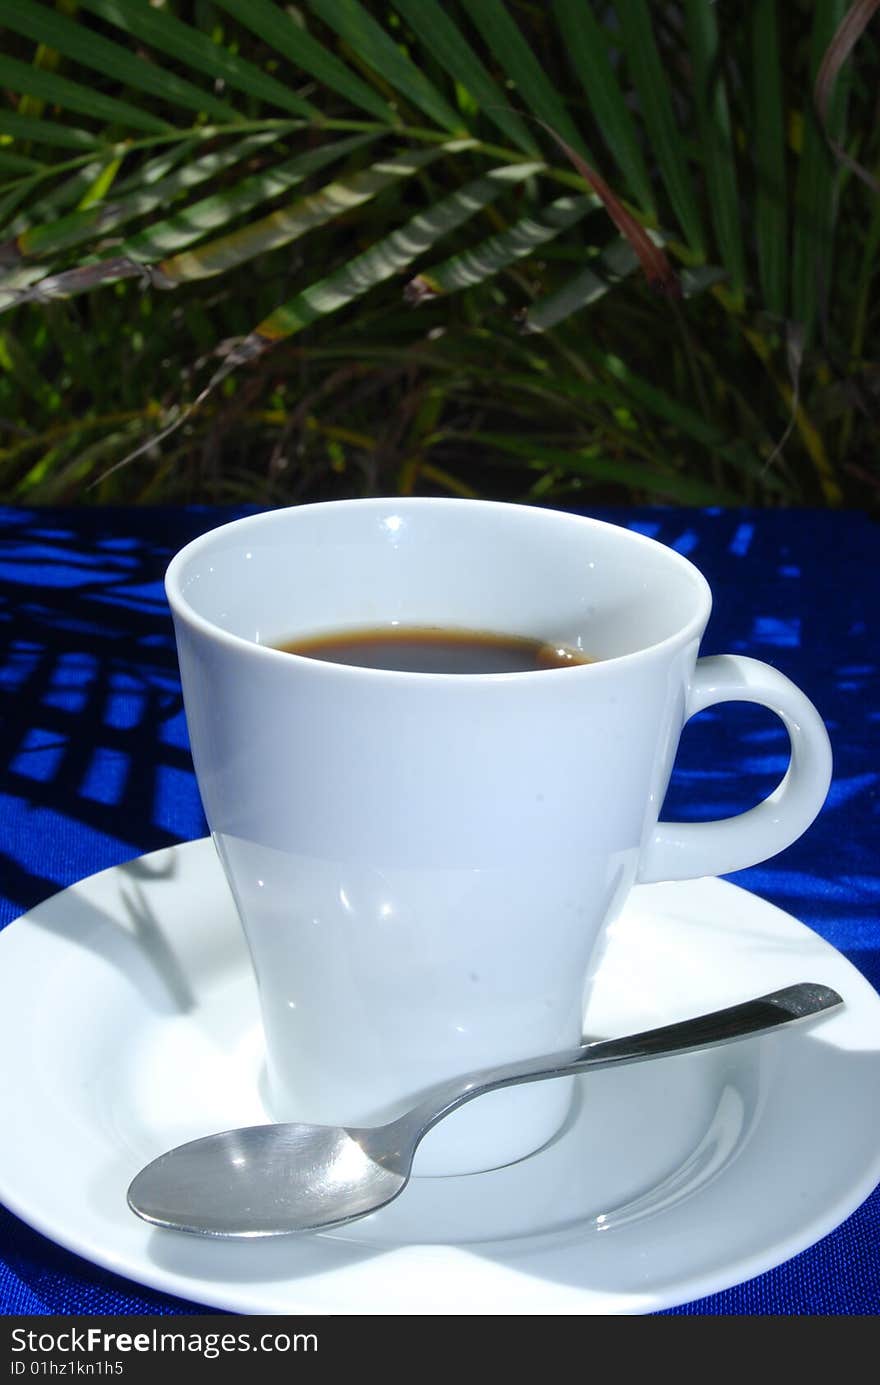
{"x":129,"y":1023}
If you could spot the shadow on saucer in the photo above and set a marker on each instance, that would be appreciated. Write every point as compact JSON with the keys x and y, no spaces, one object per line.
{"x":275,"y":1259}
{"x":771,"y":1173}
{"x":132,"y":919}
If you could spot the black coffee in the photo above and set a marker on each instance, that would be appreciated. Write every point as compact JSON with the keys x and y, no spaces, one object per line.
{"x":430,"y":649}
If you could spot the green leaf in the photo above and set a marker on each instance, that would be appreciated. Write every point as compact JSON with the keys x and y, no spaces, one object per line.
{"x":45,"y":132}
{"x":866,"y":276}
{"x":289,"y":223}
{"x":76,"y":41}
{"x":17,"y":163}
{"x":687,"y":489}
{"x":716,"y":139}
{"x":492,"y":255}
{"x":12,"y":199}
{"x":99,"y":189}
{"x":17,"y":362}
{"x":666,"y":144}
{"x":587,"y":49}
{"x":663,"y":405}
{"x":286,"y":36}
{"x":45,"y":209}
{"x":505,"y":41}
{"x":447,"y":46}
{"x":74,"y":345}
{"x":21,"y":77}
{"x":771,"y":217}
{"x":199,"y":52}
{"x":684,"y":420}
{"x":66,"y":193}
{"x":816,"y":186}
{"x":373,"y":46}
{"x":614,"y":264}
{"x":390,"y":255}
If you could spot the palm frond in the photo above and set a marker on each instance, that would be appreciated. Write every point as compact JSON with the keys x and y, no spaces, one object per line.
{"x":111,"y":59}
{"x":447,"y":45}
{"x":504,"y":40}
{"x":48,"y":238}
{"x":198,"y":219}
{"x":74,"y":96}
{"x":306,"y":54}
{"x":289,"y":223}
{"x":585,"y":289}
{"x":388,"y":256}
{"x":652,"y":83}
{"x":590,"y":57}
{"x":487,"y":259}
{"x":22,"y":127}
{"x":167,"y":34}
{"x":716,"y":140}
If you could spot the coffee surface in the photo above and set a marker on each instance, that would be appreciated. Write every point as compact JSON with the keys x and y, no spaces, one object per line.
{"x":430,"y":649}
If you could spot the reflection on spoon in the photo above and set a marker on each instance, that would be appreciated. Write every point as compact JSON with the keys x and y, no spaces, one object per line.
{"x":271,"y":1180}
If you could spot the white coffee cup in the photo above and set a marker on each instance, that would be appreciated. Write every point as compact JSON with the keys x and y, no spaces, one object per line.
{"x":424,"y":863}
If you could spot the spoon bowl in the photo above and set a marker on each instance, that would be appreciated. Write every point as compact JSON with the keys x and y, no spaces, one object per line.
{"x":266,"y":1180}
{"x":271,"y":1180}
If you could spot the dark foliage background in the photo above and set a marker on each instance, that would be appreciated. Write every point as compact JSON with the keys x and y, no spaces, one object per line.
{"x":349,"y":219}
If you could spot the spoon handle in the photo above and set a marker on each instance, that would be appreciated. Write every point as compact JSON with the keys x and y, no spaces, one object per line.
{"x":704,"y":1031}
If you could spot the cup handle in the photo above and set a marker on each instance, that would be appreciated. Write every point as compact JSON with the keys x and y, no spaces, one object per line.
{"x":685,"y":850}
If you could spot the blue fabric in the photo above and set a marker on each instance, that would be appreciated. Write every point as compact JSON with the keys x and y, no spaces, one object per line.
{"x":95,"y":769}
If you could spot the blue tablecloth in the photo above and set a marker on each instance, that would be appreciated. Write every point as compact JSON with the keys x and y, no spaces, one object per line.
{"x":95,"y":769}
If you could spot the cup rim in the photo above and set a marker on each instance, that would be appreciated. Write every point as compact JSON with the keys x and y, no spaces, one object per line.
{"x":183,"y":609}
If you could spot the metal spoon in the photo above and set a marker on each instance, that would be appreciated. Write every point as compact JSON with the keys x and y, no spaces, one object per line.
{"x":269,"y":1180}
